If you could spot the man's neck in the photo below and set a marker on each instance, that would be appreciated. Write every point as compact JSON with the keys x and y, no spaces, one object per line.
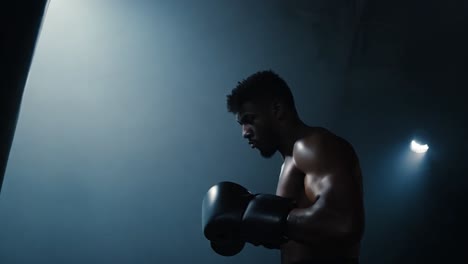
{"x":289,"y":135}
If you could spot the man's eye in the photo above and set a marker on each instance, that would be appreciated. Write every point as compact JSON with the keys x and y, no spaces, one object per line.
{"x":247,"y":120}
{"x":250,"y":119}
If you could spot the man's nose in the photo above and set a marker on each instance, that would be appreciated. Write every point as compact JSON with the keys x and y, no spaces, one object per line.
{"x":246,"y":132}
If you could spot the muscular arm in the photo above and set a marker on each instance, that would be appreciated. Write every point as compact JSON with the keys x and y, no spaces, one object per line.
{"x":337,"y":216}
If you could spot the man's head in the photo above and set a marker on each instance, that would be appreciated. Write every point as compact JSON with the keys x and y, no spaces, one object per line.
{"x":263,"y":105}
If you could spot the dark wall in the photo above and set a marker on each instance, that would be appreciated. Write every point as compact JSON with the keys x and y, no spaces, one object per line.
{"x":408,"y":81}
{"x":21,"y":22}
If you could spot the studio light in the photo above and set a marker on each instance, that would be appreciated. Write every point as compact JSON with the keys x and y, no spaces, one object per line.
{"x":418,"y":148}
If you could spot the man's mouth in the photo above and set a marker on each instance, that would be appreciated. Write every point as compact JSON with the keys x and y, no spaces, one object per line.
{"x":252,"y":144}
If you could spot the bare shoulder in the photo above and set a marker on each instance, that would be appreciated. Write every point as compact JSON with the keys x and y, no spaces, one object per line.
{"x":321,"y":146}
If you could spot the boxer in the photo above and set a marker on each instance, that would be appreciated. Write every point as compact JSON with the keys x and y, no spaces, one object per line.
{"x":317,"y":213}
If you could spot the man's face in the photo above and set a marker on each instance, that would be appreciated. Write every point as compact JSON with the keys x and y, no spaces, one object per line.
{"x":258,"y":127}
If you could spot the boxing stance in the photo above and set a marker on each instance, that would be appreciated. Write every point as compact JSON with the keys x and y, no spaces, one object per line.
{"x":317,"y":214}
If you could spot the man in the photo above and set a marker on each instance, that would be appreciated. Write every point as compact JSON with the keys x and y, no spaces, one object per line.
{"x":317,"y":214}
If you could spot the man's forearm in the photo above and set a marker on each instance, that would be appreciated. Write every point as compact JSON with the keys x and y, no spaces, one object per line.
{"x":320,"y":225}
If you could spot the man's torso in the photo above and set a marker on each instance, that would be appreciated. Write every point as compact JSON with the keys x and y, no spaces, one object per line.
{"x":291,"y":184}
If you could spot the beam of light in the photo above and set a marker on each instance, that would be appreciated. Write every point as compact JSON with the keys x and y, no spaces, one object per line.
{"x":418,"y":148}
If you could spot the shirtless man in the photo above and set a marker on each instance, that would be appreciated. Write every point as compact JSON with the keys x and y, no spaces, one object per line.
{"x":317,"y":214}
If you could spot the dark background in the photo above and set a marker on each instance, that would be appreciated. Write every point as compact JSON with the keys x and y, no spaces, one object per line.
{"x":123,"y":124}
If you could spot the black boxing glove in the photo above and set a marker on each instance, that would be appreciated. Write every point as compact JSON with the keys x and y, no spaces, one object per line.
{"x":222,"y":210}
{"x":227,"y":248}
{"x":265,"y":219}
{"x":232,"y":215}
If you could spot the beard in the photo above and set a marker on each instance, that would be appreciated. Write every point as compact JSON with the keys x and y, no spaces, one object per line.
{"x":268,"y":146}
{"x":267,"y":153}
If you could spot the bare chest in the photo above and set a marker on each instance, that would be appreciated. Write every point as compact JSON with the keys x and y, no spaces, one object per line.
{"x":291,"y":185}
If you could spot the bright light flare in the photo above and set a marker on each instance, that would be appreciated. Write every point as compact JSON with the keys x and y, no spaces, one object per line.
{"x":419,"y":148}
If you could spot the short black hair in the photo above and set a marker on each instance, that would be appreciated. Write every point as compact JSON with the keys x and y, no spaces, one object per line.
{"x":260,"y":87}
